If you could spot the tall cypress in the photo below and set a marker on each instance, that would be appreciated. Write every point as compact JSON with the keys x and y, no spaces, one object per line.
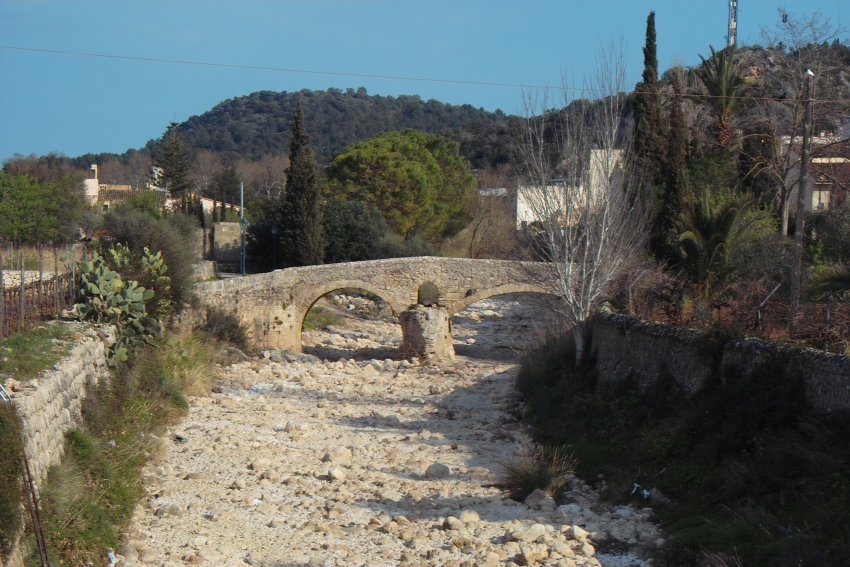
{"x":675,"y":176}
{"x":301,"y":240}
{"x":649,"y":131}
{"x":174,"y":157}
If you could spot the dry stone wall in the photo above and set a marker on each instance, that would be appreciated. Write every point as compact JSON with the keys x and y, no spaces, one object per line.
{"x":626,"y":348}
{"x":51,"y":404}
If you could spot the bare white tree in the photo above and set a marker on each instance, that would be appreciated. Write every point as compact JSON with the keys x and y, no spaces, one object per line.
{"x":585,"y":207}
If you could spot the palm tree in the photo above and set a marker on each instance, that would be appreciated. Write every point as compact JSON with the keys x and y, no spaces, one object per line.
{"x":711,"y":229}
{"x":830,"y":280}
{"x":722,"y":79}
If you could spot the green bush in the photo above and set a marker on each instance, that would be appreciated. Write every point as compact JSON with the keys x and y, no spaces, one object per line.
{"x":320,"y":318}
{"x":173,"y":236}
{"x":106,"y":298}
{"x":749,"y":469}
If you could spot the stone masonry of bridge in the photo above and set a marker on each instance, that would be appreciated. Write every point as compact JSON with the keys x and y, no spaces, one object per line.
{"x":272,"y":306}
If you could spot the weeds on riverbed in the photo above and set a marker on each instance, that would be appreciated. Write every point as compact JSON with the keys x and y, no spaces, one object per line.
{"x":90,"y":497}
{"x":537,"y":468}
{"x":745,"y":469}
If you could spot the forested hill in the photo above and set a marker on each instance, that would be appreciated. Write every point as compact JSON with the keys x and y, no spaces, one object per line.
{"x":257,"y":124}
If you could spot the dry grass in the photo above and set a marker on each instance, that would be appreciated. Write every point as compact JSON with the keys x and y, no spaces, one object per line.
{"x":538,"y":468}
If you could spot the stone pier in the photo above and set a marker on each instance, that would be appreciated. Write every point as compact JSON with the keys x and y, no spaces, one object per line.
{"x":426,"y":333}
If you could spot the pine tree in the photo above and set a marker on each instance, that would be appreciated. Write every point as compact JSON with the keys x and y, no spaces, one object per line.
{"x":649,"y":133}
{"x":174,"y":158}
{"x":301,"y":239}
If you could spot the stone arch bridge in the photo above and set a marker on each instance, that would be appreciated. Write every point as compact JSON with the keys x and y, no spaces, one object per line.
{"x":272,"y":306}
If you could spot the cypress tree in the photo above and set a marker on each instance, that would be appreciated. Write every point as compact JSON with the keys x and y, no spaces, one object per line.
{"x":649,"y":131}
{"x":664,"y":240}
{"x":174,"y":157}
{"x":301,"y":239}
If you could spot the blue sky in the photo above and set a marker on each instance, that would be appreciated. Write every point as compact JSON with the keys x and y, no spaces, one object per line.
{"x":74,"y":104}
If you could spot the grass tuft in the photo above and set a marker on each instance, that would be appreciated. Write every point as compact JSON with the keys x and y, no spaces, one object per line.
{"x":11,"y":483}
{"x":538,"y":468}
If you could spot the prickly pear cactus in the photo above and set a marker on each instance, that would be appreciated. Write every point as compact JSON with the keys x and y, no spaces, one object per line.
{"x":106,"y":298}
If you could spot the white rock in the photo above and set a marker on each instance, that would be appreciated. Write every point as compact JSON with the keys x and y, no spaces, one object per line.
{"x":529,"y":534}
{"x":540,"y":500}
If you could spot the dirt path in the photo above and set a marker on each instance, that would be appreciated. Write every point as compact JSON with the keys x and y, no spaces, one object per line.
{"x":378,"y":462}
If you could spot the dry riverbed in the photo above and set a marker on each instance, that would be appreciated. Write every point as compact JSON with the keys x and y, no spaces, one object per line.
{"x":300,"y":460}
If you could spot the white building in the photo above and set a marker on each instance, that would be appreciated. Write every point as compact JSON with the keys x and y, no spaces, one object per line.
{"x":533,"y":203}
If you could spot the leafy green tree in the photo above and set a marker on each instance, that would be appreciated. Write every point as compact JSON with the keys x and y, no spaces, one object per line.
{"x":299,"y":215}
{"x":418,"y":182}
{"x":174,"y":158}
{"x":353,"y":231}
{"x":33,"y":212}
{"x":649,"y":122}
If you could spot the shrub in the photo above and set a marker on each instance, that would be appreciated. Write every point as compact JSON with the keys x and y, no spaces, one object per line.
{"x":320,"y":318}
{"x":538,"y":468}
{"x":173,"y":236}
{"x":224,"y":326}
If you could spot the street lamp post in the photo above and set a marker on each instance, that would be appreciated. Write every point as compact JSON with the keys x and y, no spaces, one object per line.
{"x":243,"y":225}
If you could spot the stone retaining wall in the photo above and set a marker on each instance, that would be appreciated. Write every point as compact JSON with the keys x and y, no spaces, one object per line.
{"x":628,"y":348}
{"x":50,"y":405}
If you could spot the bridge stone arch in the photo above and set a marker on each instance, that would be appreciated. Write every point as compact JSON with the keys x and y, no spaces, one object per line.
{"x":272,"y":306}
{"x":302,"y":304}
{"x":477,"y":296}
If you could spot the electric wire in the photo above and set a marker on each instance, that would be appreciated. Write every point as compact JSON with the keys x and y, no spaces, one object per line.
{"x":572,"y":89}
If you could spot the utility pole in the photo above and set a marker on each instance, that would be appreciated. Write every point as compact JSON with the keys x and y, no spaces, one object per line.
{"x":796,"y":267}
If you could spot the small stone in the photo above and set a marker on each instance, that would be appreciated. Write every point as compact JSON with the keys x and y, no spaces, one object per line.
{"x":570,"y":510}
{"x":437,"y":471}
{"x":469,"y":517}
{"x":577,"y":533}
{"x":540,"y":500}
{"x":530,"y":534}
{"x":337,"y":475}
{"x":238,"y":484}
{"x":452,"y":523}
{"x":341,"y":456}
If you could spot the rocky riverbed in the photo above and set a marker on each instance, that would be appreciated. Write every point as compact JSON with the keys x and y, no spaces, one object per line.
{"x":348,"y":456}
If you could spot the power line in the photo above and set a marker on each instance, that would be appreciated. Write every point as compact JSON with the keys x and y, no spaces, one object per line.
{"x":577,"y":90}
{"x":265,"y":68}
